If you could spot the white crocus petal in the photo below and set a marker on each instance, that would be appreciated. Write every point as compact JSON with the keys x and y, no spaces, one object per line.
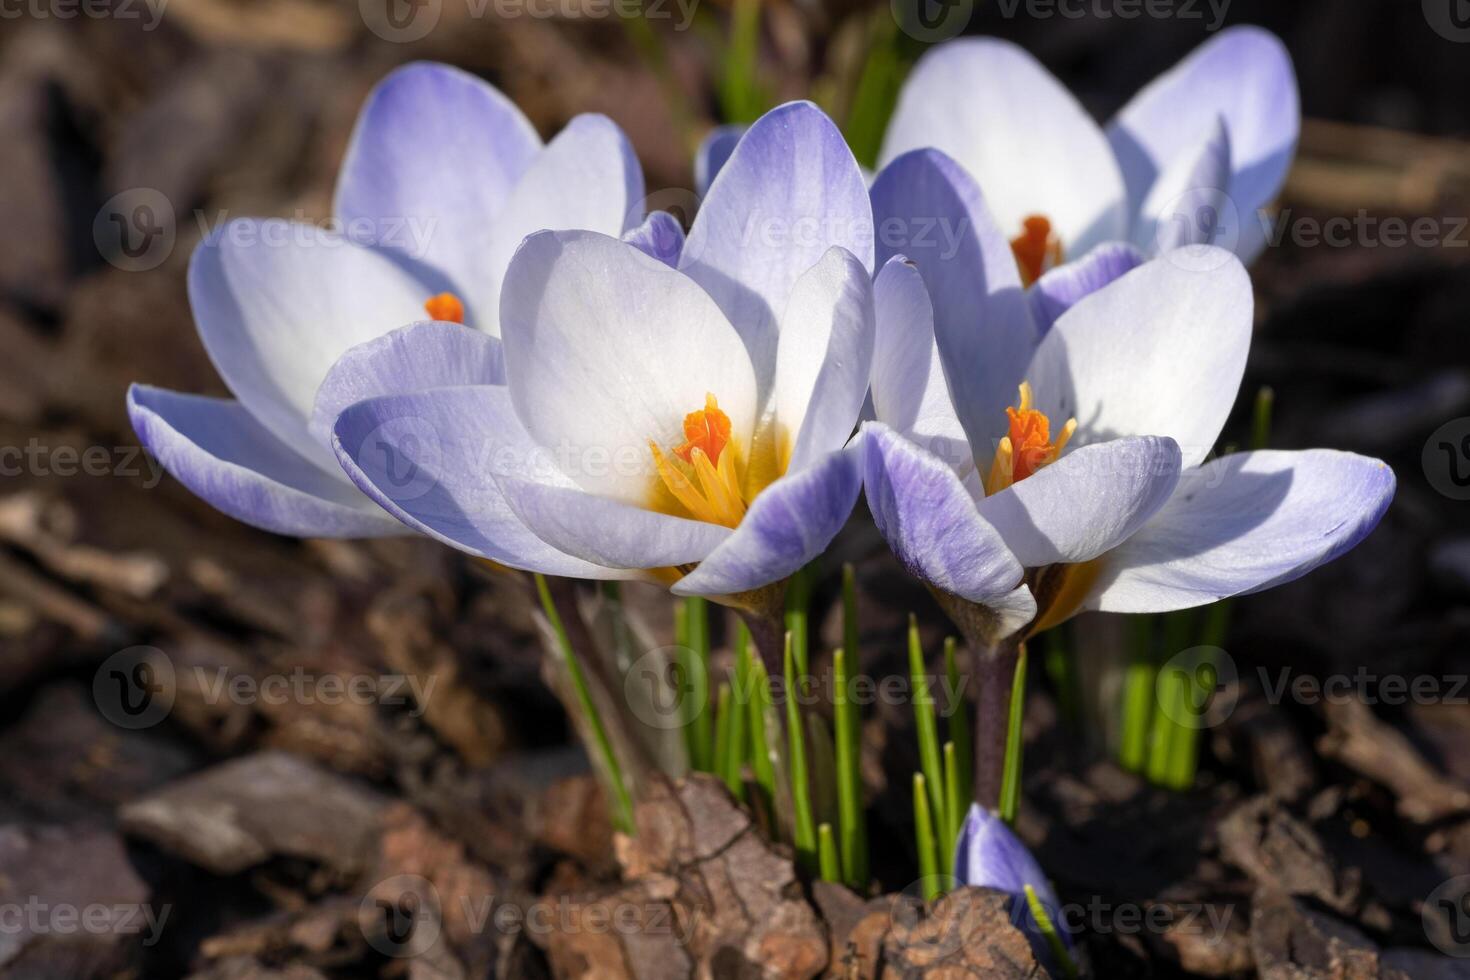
{"x":278,"y":302}
{"x":1086,"y":502}
{"x":1190,"y":203}
{"x":1245,"y":523}
{"x":909,"y":391}
{"x":1243,"y":74}
{"x":1028,"y":142}
{"x":607,"y":350}
{"x":431,"y":459}
{"x":790,"y":191}
{"x":588,"y":178}
{"x":824,"y":357}
{"x":1160,"y":351}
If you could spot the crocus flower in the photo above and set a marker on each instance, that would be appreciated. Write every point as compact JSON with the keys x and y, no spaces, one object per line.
{"x":990,"y":855}
{"x":1085,"y":483}
{"x":688,"y":424}
{"x":443,"y":179}
{"x":1190,"y":160}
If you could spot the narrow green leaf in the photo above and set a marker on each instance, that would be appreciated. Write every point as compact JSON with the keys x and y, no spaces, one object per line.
{"x":960,"y":732}
{"x":1138,"y":697}
{"x":852,"y":821}
{"x":954,"y":814}
{"x":1049,"y":932}
{"x":700,"y":736}
{"x":740,"y":697}
{"x":924,"y":840}
{"x":741,"y":93}
{"x":925,"y":725}
{"x":831,"y":866}
{"x":762,"y":712}
{"x":805,"y":835}
{"x":1010,"y":778}
{"x":798,"y":602}
{"x":1261,"y":417}
{"x":724,"y":711}
{"x":622,"y":799}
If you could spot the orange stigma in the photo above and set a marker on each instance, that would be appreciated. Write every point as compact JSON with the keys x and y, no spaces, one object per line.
{"x":445,"y":306}
{"x":1028,"y":446}
{"x":1036,"y":248}
{"x":702,"y":477}
{"x":706,"y":429}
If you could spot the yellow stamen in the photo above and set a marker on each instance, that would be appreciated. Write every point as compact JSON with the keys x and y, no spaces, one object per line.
{"x":1036,"y":248}
{"x":446,"y":307}
{"x":702,"y":476}
{"x":1028,"y":446}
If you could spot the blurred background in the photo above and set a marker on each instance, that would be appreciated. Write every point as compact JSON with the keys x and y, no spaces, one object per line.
{"x":226,"y":832}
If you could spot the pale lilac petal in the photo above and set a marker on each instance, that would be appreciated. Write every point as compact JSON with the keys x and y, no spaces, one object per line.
{"x":1028,"y":142}
{"x":278,"y":302}
{"x":929,"y":210}
{"x":660,"y":236}
{"x":930,"y":520}
{"x":608,"y":350}
{"x":223,"y":455}
{"x":1189,"y":203}
{"x":587,"y":179}
{"x":1086,"y":502}
{"x":609,"y":532}
{"x":1160,"y":351}
{"x":1244,"y":523}
{"x":433,"y":160}
{"x":789,"y":523}
{"x":1061,"y":288}
{"x":790,"y":191}
{"x":909,"y":392}
{"x":824,"y":357}
{"x":413,"y":358}
{"x":431,"y":458}
{"x":1243,"y":74}
{"x":990,"y":855}
{"x":714,"y":151}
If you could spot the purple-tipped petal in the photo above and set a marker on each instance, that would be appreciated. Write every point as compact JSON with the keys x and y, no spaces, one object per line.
{"x":417,"y":357}
{"x":1061,"y":288}
{"x":1160,"y":351}
{"x":1243,"y":74}
{"x":714,"y":151}
{"x":790,"y":191}
{"x":824,"y":357}
{"x":930,"y":520}
{"x":990,"y":855}
{"x":430,"y":458}
{"x":789,"y":523}
{"x":909,"y":392}
{"x":277,"y":302}
{"x":1086,"y":502}
{"x":929,"y":210}
{"x":433,"y":160}
{"x":1244,"y":523}
{"x":223,"y":455}
{"x":1189,"y":203}
{"x":660,"y":237}
{"x":1025,"y":139}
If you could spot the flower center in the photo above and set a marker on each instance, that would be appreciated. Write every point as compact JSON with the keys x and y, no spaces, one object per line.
{"x":446,"y":307}
{"x":702,"y":475}
{"x":1036,"y":248}
{"x":1027,"y":447}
